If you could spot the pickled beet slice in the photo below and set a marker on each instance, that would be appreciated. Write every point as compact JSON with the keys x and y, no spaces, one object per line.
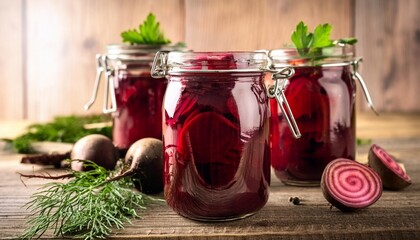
{"x":187,"y":105}
{"x":392,"y":175}
{"x":312,"y":101}
{"x":349,"y":185}
{"x":131,"y":87}
{"x":213,"y":143}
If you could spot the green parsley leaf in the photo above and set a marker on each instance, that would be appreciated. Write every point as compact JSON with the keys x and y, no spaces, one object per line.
{"x":322,"y":36}
{"x":148,"y":33}
{"x":311,"y":44}
{"x":300,"y":37}
{"x":307,"y":42}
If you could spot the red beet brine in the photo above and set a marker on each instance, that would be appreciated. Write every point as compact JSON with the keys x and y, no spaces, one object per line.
{"x":215,"y":132}
{"x":321,"y":95}
{"x":139,"y":99}
{"x":136,"y":98}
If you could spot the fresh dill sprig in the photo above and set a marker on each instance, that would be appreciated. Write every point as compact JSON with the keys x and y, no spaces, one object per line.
{"x":86,"y":207}
{"x":66,"y":129}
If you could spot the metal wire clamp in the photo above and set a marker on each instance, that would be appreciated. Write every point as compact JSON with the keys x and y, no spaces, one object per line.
{"x":102,"y":67}
{"x":359,"y":78}
{"x":281,"y":79}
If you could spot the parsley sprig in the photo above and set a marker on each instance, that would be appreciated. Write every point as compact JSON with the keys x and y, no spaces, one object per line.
{"x":148,"y":33}
{"x":86,"y":207}
{"x":310,"y":44}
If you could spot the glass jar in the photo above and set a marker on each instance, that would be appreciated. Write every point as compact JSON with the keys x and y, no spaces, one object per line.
{"x":215,"y":133}
{"x":322,"y":95}
{"x":135,"y":97}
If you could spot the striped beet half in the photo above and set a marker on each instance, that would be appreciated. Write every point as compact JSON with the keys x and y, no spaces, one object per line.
{"x":392,"y":174}
{"x":349,"y":185}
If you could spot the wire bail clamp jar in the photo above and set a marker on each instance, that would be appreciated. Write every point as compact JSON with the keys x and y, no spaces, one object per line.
{"x":215,"y":132}
{"x":131,"y":95}
{"x":322,"y":95}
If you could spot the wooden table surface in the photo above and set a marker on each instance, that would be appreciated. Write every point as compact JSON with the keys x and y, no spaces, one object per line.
{"x":395,"y":216}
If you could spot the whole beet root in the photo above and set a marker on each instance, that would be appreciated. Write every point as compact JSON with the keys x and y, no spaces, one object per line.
{"x":95,"y":147}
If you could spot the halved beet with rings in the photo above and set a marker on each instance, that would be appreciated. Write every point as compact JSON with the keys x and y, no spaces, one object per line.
{"x":392,"y":174}
{"x":349,"y":185}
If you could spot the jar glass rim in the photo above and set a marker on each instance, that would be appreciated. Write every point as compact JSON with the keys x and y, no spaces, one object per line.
{"x":138,"y":52}
{"x":334,"y":55}
{"x":178,"y":61}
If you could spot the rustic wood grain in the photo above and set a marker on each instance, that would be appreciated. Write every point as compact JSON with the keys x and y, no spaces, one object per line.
{"x":389,"y":40}
{"x":394,"y":216}
{"x":392,"y":126}
{"x":267,"y":24}
{"x":11,"y":60}
{"x":63,"y":39}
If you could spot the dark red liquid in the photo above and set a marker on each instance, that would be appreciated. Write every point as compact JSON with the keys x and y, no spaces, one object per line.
{"x":217,"y":158}
{"x":322,"y":100}
{"x":139,"y":108}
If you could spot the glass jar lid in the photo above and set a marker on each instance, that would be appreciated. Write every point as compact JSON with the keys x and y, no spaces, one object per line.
{"x":144,"y":52}
{"x":328,"y":56}
{"x":207,"y":62}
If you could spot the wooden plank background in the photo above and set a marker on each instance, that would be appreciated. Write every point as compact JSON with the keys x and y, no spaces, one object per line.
{"x":389,"y":40}
{"x":12,"y":87}
{"x":66,"y":35}
{"x":248,"y":25}
{"x":48,"y":47}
